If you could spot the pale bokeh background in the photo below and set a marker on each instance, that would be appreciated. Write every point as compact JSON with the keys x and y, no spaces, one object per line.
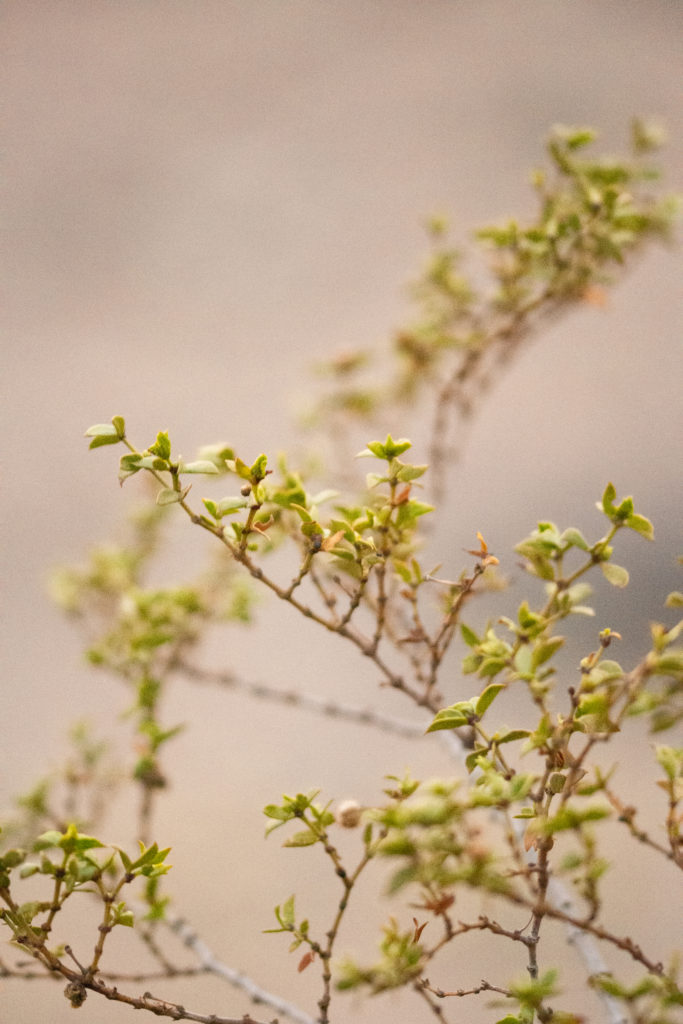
{"x":203,"y":199}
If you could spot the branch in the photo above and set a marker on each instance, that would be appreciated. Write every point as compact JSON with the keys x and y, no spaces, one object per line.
{"x":209,"y":963}
{"x":80,"y":982}
{"x":306,"y":701}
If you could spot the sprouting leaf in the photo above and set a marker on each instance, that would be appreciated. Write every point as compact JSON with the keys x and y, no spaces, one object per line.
{"x":162,"y":445}
{"x":258,"y":470}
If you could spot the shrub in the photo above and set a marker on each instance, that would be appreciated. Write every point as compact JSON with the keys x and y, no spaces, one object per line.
{"x":521,"y":819}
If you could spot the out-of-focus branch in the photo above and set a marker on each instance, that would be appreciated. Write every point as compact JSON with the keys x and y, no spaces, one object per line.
{"x":212,"y":965}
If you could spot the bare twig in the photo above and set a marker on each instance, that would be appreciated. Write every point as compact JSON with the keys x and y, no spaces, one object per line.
{"x":212,"y":965}
{"x":305,"y":701}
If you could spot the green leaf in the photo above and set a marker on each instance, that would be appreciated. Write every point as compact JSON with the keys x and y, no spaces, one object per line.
{"x":285,"y":913}
{"x":281,"y":813}
{"x":472,"y":759}
{"x":544,"y":650}
{"x":469,"y":636}
{"x":574,"y":538}
{"x":257,"y":471}
{"x":128,"y":465}
{"x":670,"y":759}
{"x":306,"y":838}
{"x":387,"y":451}
{"x":615,"y":574}
{"x":120,"y":425}
{"x":48,"y":840}
{"x":102,"y":439}
{"x":576,"y":137}
{"x":226,"y":506}
{"x":167,"y":496}
{"x":607,"y":504}
{"x":674,"y":599}
{"x":510,"y":737}
{"x":162,"y":445}
{"x":641,"y":525}
{"x":453,"y":717}
{"x":487,"y":697}
{"x":409,"y":512}
{"x":102,"y":430}
{"x":408,"y":473}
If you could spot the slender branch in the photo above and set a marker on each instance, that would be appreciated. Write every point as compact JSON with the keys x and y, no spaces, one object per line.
{"x":80,"y":982}
{"x":210,"y":963}
{"x":306,"y":701}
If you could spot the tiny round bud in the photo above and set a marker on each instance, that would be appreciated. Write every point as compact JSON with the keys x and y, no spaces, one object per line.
{"x":245,"y":490}
{"x":348,"y":814}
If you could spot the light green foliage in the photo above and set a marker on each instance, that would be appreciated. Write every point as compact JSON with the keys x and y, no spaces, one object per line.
{"x":527,"y":809}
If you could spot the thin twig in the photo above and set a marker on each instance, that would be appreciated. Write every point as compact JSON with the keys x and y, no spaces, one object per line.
{"x":306,"y":701}
{"x":209,"y":962}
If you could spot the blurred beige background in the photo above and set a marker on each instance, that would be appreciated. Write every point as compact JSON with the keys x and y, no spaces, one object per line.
{"x":204,"y":199}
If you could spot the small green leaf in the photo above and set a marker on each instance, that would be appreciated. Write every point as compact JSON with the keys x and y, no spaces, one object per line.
{"x":167,"y":496}
{"x":487,"y":697}
{"x":257,"y":471}
{"x":544,"y":650}
{"x":608,"y":497}
{"x":102,"y":430}
{"x":469,"y":636}
{"x":102,"y":439}
{"x":472,"y":759}
{"x":120,"y":425}
{"x":409,"y":512}
{"x":453,"y":717}
{"x":641,"y":525}
{"x":615,"y":574}
{"x":280,"y":813}
{"x":162,"y":445}
{"x":674,"y":599}
{"x":670,"y":759}
{"x":510,"y":737}
{"x":226,"y":506}
{"x":122,"y":915}
{"x":575,"y":538}
{"x":306,"y":838}
{"x":285,"y":913}
{"x":407,"y":473}
{"x":48,"y":840}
